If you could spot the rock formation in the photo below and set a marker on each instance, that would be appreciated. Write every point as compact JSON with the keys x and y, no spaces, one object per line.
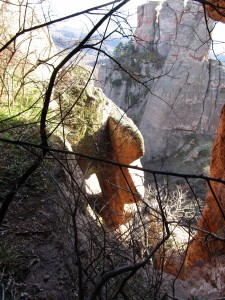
{"x":201,"y":94}
{"x":181,"y":92}
{"x":183,"y":96}
{"x":216,"y":10}
{"x":202,"y":265}
{"x":203,"y":247}
{"x":95,"y":126}
{"x":213,"y":216}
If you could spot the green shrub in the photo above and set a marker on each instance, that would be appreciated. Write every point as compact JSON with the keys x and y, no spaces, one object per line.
{"x":117,"y":82}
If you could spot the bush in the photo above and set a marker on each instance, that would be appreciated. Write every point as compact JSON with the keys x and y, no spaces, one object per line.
{"x":117,"y":82}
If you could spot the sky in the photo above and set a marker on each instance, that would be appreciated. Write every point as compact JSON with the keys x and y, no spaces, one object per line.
{"x":219,"y":34}
{"x":71,"y":6}
{"x":60,"y":7}
{"x":78,"y":5}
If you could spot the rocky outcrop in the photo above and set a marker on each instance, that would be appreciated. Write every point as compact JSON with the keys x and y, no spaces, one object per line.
{"x":179,"y":96}
{"x":216,"y":10}
{"x":204,"y":247}
{"x":95,"y":126}
{"x":202,"y":265}
{"x":178,"y":92}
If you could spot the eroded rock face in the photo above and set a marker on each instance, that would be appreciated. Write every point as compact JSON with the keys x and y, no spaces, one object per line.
{"x":95,"y":126}
{"x":205,"y":247}
{"x":146,"y":29}
{"x":216,"y":10}
{"x":184,"y":95}
{"x":120,"y":186}
{"x":183,"y":91}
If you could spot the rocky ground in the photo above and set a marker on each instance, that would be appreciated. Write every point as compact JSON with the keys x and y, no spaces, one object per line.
{"x":32,"y":260}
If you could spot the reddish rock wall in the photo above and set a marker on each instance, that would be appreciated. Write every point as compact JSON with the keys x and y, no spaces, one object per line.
{"x":207,"y":244}
{"x":96,"y":127}
{"x":119,"y":186}
{"x":216,"y":10}
{"x":203,"y":247}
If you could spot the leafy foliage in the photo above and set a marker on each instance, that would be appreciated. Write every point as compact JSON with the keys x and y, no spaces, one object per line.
{"x":124,"y":51}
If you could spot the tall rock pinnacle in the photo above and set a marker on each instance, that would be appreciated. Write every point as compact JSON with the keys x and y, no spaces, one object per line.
{"x":181,"y":91}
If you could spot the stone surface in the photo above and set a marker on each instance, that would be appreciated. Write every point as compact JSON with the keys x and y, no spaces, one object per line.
{"x":205,"y":253}
{"x":145,"y":32}
{"x":183,"y":91}
{"x":213,"y":216}
{"x":206,"y":281}
{"x":216,"y":10}
{"x":181,"y":98}
{"x":95,"y":126}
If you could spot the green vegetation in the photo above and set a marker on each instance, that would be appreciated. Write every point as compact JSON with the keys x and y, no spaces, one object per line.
{"x":15,"y":160}
{"x":124,"y":51}
{"x":136,"y":62}
{"x":117,"y":82}
{"x":132,"y":58}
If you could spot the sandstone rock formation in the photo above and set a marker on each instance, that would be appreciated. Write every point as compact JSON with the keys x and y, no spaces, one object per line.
{"x":181,"y":96}
{"x":95,"y":126}
{"x":202,"y":265}
{"x":216,"y":10}
{"x":204,"y":247}
{"x":182,"y":91}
